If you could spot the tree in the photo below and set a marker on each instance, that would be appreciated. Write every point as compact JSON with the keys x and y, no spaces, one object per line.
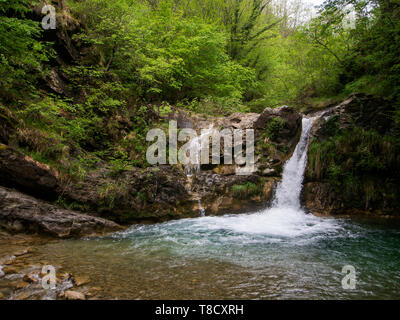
{"x":21,"y":51}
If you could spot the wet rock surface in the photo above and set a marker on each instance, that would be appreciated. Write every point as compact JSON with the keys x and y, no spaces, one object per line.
{"x":322,"y":199}
{"x":360,"y":110}
{"x":230,"y":194}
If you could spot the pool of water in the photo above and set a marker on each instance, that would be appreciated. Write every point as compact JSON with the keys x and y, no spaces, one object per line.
{"x":274,"y":254}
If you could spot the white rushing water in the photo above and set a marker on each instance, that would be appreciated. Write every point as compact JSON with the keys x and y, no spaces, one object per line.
{"x":288,"y":192}
{"x":285,"y":218}
{"x":196,"y":147}
{"x":193,"y":168}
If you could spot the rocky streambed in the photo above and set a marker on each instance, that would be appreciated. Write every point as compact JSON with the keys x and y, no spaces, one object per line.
{"x":23,"y":277}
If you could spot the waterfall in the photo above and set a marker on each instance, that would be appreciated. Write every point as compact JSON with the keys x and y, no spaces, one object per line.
{"x":288,"y":191}
{"x":201,"y":209}
{"x":194,"y":168}
{"x":287,"y":194}
{"x":195,"y":147}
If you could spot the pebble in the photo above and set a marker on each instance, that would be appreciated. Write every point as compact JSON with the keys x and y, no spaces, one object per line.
{"x":22,"y":296}
{"x":21,"y":285}
{"x":94,"y":291}
{"x":74,"y":295}
{"x":81,"y":280}
{"x":21,"y":253}
{"x":10,"y":270}
{"x":10,"y":260}
{"x":31,"y":277}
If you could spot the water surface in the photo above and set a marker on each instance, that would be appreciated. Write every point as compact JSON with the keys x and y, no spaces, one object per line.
{"x":216,"y":258}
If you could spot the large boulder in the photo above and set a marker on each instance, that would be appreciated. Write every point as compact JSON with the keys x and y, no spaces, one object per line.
{"x":239,"y":120}
{"x":137,"y":195}
{"x":23,"y":214}
{"x":24,"y":173}
{"x":232,"y":194}
{"x":291,"y":129}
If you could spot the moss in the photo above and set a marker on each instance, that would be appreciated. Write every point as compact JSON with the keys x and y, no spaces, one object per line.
{"x":249,"y":189}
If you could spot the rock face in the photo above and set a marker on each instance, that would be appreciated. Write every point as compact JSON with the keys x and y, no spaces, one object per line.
{"x":20,"y":171}
{"x":231,"y":194}
{"x":289,"y":133}
{"x":153,"y":194}
{"x":360,"y":110}
{"x":322,"y":199}
{"x":222,"y":191}
{"x":356,"y":180}
{"x":158,"y":193}
{"x":21,"y":213}
{"x":138,"y":195}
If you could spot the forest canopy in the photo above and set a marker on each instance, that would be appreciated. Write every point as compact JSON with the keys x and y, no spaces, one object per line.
{"x":235,"y":55}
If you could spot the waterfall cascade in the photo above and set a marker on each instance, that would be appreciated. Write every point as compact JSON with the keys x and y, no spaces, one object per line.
{"x":285,"y":217}
{"x":194,"y":168}
{"x":195,"y":147}
{"x":288,"y":191}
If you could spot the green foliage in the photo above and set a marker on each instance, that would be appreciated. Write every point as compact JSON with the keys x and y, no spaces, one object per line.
{"x":214,"y":57}
{"x":369,"y":62}
{"x":215,"y":106}
{"x":250,"y":189}
{"x":358,"y":162}
{"x":161,"y":54}
{"x":21,"y":51}
{"x":274,"y":127}
{"x":111,"y":192}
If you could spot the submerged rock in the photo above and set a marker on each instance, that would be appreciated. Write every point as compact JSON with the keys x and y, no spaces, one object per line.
{"x":74,"y":295}
{"x":81,"y":280}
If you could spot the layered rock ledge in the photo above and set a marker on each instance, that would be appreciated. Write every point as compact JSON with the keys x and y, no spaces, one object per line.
{"x":22,"y":213}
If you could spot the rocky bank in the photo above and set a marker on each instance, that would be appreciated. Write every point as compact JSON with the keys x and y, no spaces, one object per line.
{"x":354,"y":162}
